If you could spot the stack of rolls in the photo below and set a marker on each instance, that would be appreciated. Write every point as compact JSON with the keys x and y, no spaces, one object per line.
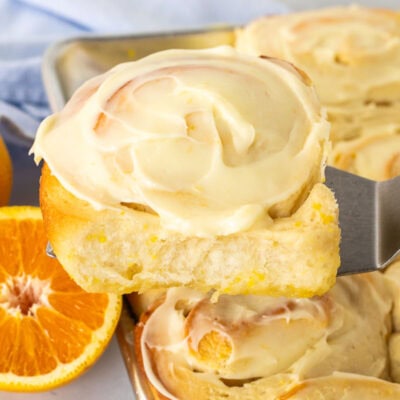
{"x":352,"y":55}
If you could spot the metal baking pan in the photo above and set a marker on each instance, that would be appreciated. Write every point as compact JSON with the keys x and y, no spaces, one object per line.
{"x":68,"y":64}
{"x":125,"y":337}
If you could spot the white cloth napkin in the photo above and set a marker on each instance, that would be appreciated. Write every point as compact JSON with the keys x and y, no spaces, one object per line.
{"x":27,"y":27}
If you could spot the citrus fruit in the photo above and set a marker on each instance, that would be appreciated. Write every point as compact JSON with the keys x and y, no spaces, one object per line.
{"x":50,"y":329}
{"x":5,"y":174}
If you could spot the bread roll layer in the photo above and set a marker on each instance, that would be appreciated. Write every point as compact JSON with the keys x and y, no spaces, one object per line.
{"x":128,"y":250}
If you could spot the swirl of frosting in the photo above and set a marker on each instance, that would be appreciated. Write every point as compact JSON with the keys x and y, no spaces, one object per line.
{"x":239,"y":341}
{"x":211,"y":141}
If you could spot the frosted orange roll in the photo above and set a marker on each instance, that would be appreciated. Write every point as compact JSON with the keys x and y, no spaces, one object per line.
{"x":352,"y":54}
{"x":258,"y":347}
{"x":192,"y":167}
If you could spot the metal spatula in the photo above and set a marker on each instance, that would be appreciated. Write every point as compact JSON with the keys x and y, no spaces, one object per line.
{"x":369,"y":217}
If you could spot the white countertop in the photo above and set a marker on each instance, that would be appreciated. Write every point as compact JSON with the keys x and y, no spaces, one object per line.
{"x":106,"y":380}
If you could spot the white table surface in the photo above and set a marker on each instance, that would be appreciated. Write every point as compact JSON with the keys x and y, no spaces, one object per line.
{"x":108,"y":378}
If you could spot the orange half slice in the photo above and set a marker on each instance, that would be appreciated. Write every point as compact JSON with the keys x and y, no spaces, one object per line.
{"x":51,"y":330}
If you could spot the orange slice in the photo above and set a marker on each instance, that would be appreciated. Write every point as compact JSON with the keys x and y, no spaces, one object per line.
{"x":50,"y":329}
{"x":5,"y":174}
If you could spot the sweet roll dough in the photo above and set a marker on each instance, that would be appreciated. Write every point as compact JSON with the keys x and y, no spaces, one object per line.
{"x":196,"y":168}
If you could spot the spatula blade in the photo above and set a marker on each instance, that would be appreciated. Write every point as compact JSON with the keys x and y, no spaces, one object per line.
{"x":356,"y":197}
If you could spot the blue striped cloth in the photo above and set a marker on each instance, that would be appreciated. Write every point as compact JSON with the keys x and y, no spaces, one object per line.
{"x":27,"y":27}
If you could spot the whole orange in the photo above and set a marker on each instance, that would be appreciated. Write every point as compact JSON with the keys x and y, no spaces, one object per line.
{"x":5,"y":174}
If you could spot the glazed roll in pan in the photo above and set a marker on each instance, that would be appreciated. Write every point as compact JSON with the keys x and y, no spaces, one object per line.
{"x":352,"y":55}
{"x":341,"y":345}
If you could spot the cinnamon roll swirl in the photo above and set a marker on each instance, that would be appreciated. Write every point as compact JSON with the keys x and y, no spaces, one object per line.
{"x":258,"y":347}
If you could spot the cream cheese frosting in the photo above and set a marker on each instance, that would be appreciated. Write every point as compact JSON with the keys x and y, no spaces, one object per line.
{"x":242,"y":338}
{"x":211,"y":141}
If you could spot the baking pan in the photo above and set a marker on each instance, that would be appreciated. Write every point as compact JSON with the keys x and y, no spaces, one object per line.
{"x":68,"y":64}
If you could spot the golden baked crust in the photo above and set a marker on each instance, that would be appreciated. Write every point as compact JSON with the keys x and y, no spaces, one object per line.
{"x":125,"y":251}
